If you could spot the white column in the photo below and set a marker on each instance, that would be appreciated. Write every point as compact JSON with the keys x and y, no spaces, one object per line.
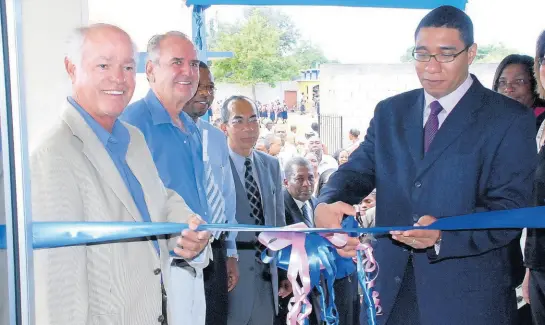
{"x":46,"y":26}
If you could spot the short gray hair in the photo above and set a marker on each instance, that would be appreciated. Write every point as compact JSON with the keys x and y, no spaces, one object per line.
{"x":225,"y":113}
{"x":76,"y":40}
{"x":298,"y":161}
{"x":268,"y":140}
{"x":153,"y":48}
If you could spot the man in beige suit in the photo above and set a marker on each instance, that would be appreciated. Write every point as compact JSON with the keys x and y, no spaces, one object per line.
{"x":93,"y":167}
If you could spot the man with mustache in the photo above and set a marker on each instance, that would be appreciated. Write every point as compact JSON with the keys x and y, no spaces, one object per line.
{"x":221,"y":275}
{"x":94,"y":168}
{"x":258,"y":188}
{"x":176,"y":145}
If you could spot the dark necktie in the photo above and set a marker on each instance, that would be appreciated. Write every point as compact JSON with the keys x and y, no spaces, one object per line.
{"x":432,"y":125}
{"x":254,"y":198}
{"x":306,"y":215}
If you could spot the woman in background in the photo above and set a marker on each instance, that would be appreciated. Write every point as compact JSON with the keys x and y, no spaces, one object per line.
{"x":533,"y":287}
{"x":514,"y":78}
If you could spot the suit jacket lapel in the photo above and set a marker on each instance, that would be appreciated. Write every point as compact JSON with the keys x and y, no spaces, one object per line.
{"x":292,"y":207}
{"x":264,"y":183}
{"x":460,"y":118}
{"x":414,"y":132}
{"x":100,"y":159}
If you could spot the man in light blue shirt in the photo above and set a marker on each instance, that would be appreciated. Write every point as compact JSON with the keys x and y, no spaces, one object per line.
{"x":175,"y":143}
{"x":93,"y":168}
{"x":222,"y":274}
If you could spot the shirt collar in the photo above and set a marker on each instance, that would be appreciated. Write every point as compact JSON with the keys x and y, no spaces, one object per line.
{"x":300,"y":204}
{"x":117,"y":141}
{"x":239,"y":160}
{"x":159,"y":114}
{"x":449,"y":101}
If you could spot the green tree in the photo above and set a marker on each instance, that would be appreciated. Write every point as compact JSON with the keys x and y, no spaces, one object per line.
{"x":257,"y":54}
{"x":493,"y":53}
{"x":488,"y":53}
{"x":288,"y":33}
{"x":308,"y":55}
{"x":408,"y":56}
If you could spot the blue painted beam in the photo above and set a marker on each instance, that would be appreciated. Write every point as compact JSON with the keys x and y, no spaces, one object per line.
{"x":408,"y":4}
{"x":220,"y":55}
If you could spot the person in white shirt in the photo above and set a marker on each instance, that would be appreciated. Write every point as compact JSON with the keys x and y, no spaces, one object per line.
{"x":325,"y":162}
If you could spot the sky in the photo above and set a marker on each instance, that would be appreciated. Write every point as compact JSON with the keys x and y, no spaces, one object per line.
{"x":378,"y":35}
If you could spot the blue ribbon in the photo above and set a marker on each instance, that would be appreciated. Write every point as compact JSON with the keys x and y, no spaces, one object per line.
{"x":319,"y":250}
{"x":58,"y":234}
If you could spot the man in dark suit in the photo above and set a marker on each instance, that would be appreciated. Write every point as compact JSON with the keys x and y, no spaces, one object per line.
{"x":299,"y":202}
{"x":258,"y":187}
{"x":451,"y":148}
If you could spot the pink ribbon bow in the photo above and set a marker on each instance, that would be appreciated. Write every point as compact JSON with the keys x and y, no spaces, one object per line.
{"x":298,"y":266}
{"x":370,"y":265}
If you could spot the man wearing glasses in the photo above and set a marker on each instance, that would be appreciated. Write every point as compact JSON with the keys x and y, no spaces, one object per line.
{"x":221,"y":276}
{"x":259,"y":201}
{"x":451,"y":148}
{"x":176,"y":145}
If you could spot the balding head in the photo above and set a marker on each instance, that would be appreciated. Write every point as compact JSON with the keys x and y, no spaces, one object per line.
{"x":103,"y":73}
{"x":78,"y":37}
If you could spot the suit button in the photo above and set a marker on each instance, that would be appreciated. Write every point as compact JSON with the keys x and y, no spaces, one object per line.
{"x":415,"y":217}
{"x":417,"y":184}
{"x":161,"y":319}
{"x":251,"y":268}
{"x":157,"y":271}
{"x":397,"y":280}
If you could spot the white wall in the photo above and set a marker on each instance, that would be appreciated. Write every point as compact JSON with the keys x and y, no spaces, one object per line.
{"x":354,"y":90}
{"x":263,"y":92}
{"x":46,"y":27}
{"x":44,"y":37}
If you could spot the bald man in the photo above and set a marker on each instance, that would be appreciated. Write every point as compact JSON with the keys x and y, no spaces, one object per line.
{"x":93,"y":167}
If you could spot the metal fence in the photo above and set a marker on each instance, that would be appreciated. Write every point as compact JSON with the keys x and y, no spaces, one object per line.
{"x":331,"y":131}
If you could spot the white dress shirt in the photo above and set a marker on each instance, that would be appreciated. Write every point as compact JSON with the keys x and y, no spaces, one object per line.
{"x":305,"y":205}
{"x":448,"y":102}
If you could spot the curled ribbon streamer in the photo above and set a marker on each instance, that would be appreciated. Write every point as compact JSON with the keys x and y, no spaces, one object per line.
{"x":302,"y":261}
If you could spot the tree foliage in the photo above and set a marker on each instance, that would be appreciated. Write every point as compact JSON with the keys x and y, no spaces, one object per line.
{"x":309,"y":56}
{"x":493,"y":53}
{"x":489,"y":53}
{"x":257,"y":54}
{"x":267,"y":48}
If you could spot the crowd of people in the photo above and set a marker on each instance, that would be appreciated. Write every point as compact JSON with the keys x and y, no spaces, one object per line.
{"x":452,"y":147}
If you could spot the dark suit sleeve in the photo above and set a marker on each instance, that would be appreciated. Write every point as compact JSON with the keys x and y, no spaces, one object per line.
{"x":509,"y":186}
{"x":355,"y":179}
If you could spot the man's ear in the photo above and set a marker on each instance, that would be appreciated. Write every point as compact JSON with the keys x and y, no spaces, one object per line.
{"x":285,"y":182}
{"x":472,"y":53}
{"x":70,"y":68}
{"x":223,"y":127}
{"x":149,"y":71}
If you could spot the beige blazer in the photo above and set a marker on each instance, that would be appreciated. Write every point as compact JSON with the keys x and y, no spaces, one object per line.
{"x":74,"y":179}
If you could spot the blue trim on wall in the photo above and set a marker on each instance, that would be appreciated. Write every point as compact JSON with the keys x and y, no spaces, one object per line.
{"x":409,"y":4}
{"x":220,"y":55}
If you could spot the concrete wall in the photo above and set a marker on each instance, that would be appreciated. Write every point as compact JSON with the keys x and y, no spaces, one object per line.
{"x":264,"y":93}
{"x":353,"y":90}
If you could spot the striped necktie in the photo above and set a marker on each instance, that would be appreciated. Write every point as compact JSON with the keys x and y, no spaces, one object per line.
{"x":306,"y":214}
{"x":256,"y":207}
{"x":432,"y":125}
{"x":216,"y":202}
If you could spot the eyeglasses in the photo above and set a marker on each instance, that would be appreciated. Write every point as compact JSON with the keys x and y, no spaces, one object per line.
{"x":238,"y":122}
{"x":503,"y":84}
{"x":541,"y":61}
{"x":208,"y":88}
{"x":441,"y":58}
